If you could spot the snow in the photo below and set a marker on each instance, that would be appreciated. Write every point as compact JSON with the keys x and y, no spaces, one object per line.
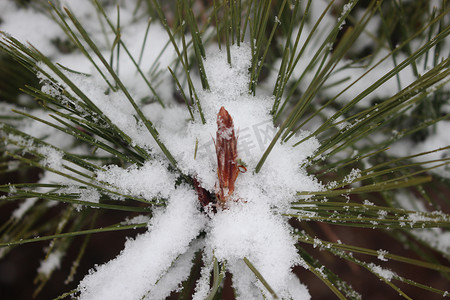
{"x":136,"y":220}
{"x":155,"y":263}
{"x":438,"y":138}
{"x":244,"y":281}
{"x":354,"y":174}
{"x":51,"y":263}
{"x":203,"y":283}
{"x":115,"y":107}
{"x":19,"y":212}
{"x":383,"y":273}
{"x":229,"y":88}
{"x":88,"y":194}
{"x":44,"y":132}
{"x":150,"y":181}
{"x":251,"y":225}
{"x":381,"y":254}
{"x":52,"y":157}
{"x":248,"y":288}
{"x":171,"y":281}
{"x":437,"y":238}
{"x":137,"y":269}
{"x":29,"y":26}
{"x":251,"y":230}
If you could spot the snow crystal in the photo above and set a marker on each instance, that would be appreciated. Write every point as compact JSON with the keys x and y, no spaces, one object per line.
{"x":137,"y":220}
{"x":317,"y":242}
{"x":147,"y":258}
{"x":149,"y":181}
{"x":203,"y":283}
{"x":382,"y":214}
{"x":381,"y":254}
{"x":277,"y":20}
{"x":88,"y":194}
{"x":244,"y":281}
{"x":354,"y":174}
{"x":171,"y":281}
{"x":418,"y":217}
{"x":297,"y":290}
{"x":384,"y":273}
{"x":52,"y":157}
{"x":346,"y":8}
{"x":12,"y":190}
{"x":251,"y":230}
{"x":116,"y":107}
{"x":367,"y":202}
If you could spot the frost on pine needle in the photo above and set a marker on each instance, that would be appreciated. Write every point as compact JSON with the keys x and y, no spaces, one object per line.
{"x":115,"y":107}
{"x":438,"y":238}
{"x":383,"y":273}
{"x":86,"y":194}
{"x":52,"y":157}
{"x":354,"y":174}
{"x":381,"y":254}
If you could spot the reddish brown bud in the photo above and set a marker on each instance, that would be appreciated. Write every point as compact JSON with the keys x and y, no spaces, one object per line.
{"x":226,"y":150}
{"x":203,"y":195}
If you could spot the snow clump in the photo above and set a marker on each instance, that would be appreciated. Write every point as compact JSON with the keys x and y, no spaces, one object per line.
{"x":252,"y":226}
